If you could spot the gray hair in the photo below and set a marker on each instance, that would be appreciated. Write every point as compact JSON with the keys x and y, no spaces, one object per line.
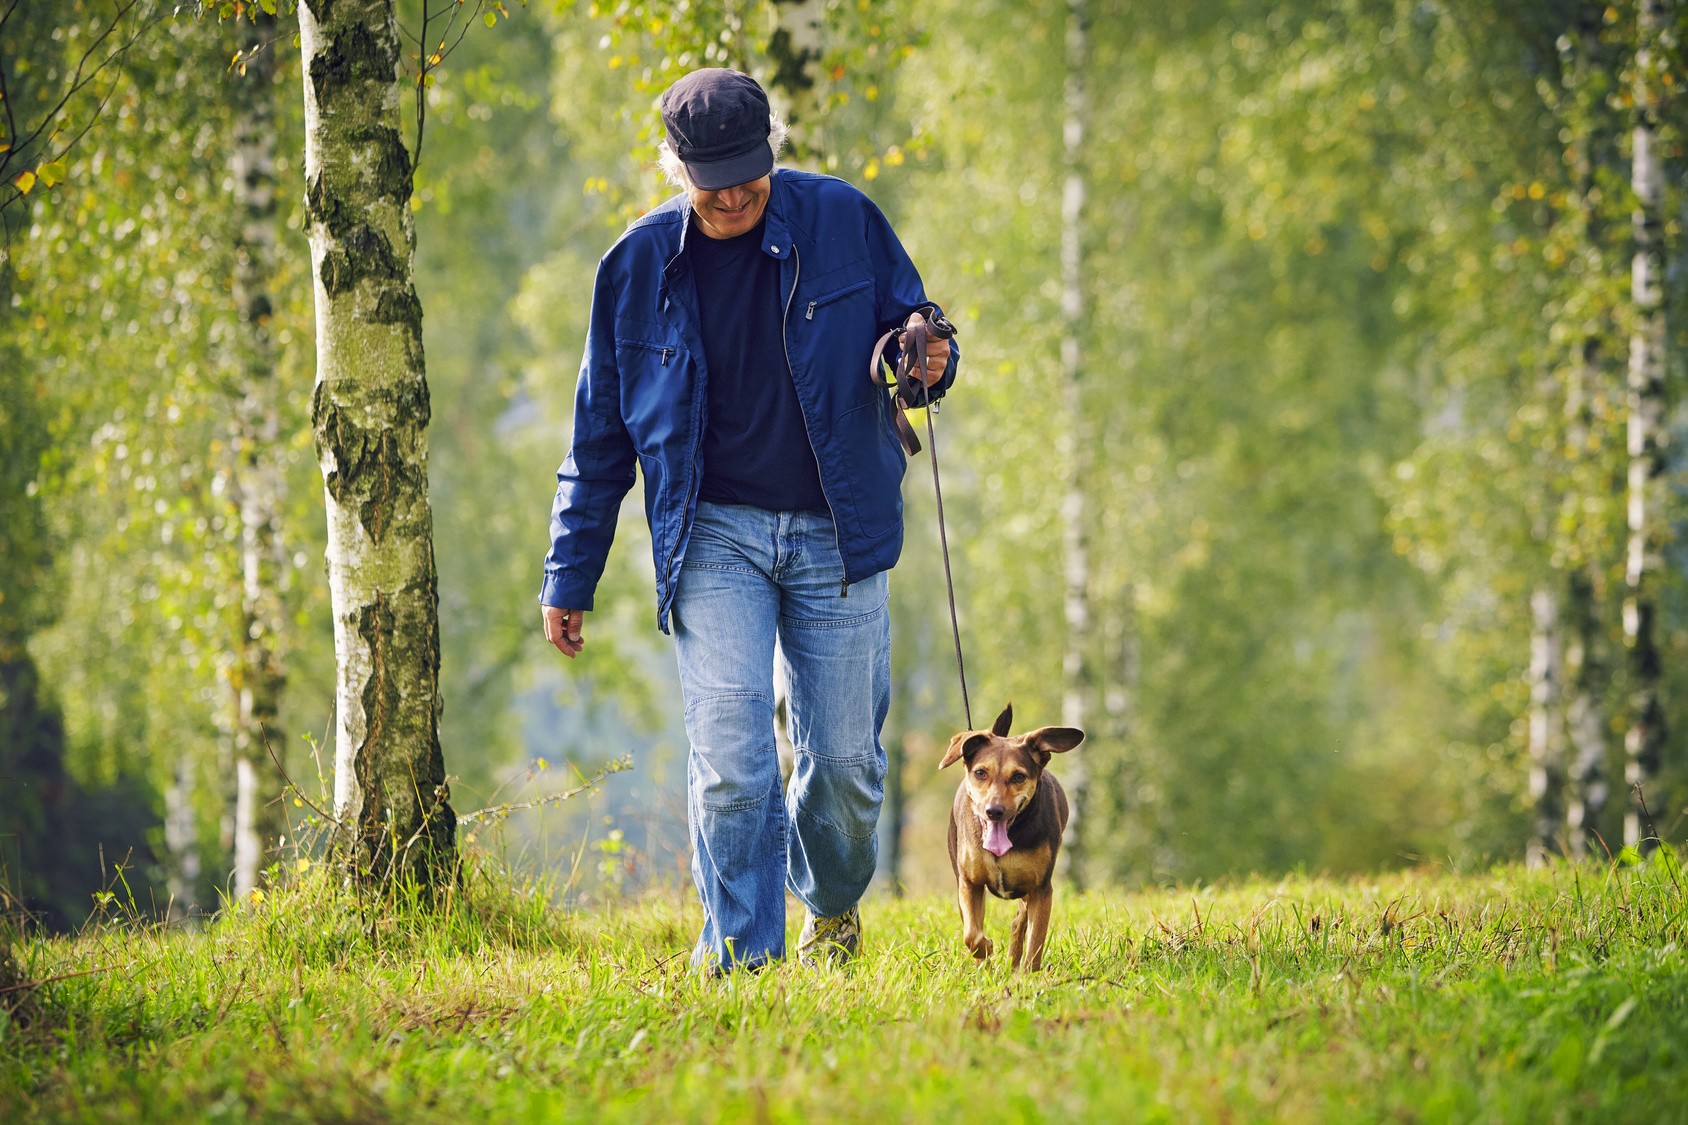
{"x":675,"y":172}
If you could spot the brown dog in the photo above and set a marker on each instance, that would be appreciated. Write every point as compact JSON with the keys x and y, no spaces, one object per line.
{"x":1005,"y":830}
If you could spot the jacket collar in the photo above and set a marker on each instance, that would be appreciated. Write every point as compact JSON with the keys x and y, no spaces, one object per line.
{"x":776,"y":229}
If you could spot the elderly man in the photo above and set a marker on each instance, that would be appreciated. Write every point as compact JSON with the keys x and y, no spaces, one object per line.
{"x":727,"y":357}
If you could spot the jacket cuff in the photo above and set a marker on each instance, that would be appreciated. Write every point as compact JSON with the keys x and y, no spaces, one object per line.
{"x":562,"y":591}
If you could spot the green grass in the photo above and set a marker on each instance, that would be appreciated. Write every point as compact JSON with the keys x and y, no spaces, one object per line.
{"x":1531,"y":997}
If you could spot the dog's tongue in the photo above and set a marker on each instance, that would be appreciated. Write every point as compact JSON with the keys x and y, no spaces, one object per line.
{"x":996,"y":838}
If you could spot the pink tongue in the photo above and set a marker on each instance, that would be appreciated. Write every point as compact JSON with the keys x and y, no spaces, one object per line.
{"x":996,"y":837}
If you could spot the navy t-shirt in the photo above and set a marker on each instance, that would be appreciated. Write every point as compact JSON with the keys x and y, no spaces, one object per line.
{"x":755,"y":447}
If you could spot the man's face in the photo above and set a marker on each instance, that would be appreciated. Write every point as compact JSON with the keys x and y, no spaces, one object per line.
{"x":730,"y":211}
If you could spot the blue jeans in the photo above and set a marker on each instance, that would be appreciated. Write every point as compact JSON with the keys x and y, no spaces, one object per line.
{"x":751,"y":575}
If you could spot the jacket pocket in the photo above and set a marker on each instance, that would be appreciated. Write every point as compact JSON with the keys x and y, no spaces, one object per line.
{"x":655,"y":391}
{"x":646,"y":350}
{"x":825,"y":299}
{"x":876,"y":478}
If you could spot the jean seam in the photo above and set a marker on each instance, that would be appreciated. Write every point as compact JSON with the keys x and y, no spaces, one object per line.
{"x":724,"y":567}
{"x":848,"y":835}
{"x":740,"y":806}
{"x":715,"y":696}
{"x":840,"y":623}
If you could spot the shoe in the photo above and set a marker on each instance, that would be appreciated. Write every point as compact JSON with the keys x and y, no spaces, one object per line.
{"x":832,"y":940}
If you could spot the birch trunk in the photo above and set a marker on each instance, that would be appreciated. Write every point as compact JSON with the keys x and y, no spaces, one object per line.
{"x":795,"y":49}
{"x":257,"y":676}
{"x":1547,"y":765}
{"x":181,"y":841}
{"x":1077,"y":664}
{"x":370,"y":415}
{"x":1587,"y":787}
{"x":1644,"y":734}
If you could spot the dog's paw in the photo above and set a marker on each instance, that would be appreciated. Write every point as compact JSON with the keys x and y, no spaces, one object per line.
{"x":982,"y":948}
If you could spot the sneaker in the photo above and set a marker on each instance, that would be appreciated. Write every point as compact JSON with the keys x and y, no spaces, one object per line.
{"x":835,"y":940}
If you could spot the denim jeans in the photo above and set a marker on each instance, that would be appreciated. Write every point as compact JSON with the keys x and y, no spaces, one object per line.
{"x":750,"y":575}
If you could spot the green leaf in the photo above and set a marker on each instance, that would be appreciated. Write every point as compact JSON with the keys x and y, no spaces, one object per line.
{"x":51,"y":174}
{"x":24,"y":181}
{"x":491,"y":19}
{"x":1621,"y":1014}
{"x":1630,"y":856}
{"x":268,"y":6}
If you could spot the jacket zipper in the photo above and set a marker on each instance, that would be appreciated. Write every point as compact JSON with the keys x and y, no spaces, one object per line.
{"x":831,"y":297}
{"x":820,"y":474}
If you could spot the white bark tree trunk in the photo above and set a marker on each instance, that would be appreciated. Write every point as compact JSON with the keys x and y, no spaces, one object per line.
{"x":1644,"y":734}
{"x":370,"y":414}
{"x":1547,"y":758}
{"x":1078,"y":663}
{"x":795,"y":49}
{"x":181,"y":841}
{"x":1587,"y":786}
{"x":258,"y":674}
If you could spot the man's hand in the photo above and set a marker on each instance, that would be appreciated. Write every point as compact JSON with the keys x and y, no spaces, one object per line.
{"x":562,"y":628}
{"x":937,"y":352}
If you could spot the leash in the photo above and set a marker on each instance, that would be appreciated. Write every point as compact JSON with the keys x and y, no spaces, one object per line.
{"x":908,"y":391}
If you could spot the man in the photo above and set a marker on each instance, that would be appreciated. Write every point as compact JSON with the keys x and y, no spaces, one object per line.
{"x":727,"y":356}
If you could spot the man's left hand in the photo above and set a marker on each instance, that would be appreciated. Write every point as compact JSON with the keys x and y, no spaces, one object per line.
{"x":937,"y":352}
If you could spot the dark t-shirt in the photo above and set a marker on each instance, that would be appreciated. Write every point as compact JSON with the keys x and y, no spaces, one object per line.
{"x":755,"y":447}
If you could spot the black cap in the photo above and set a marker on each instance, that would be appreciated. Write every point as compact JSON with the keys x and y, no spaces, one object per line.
{"x":718,"y":125}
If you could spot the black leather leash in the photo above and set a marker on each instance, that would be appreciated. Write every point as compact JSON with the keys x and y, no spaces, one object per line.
{"x":908,"y":391}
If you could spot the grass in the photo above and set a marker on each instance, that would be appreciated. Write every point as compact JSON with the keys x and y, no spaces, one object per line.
{"x":1559,"y":995}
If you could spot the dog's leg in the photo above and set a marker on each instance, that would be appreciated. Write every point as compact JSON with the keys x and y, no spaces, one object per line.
{"x":1017,"y":947}
{"x":972,"y":899}
{"x":1037,"y":907}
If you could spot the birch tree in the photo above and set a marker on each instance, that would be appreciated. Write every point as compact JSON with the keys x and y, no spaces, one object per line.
{"x":370,"y":415}
{"x":257,"y":675}
{"x":1547,"y":766}
{"x":1077,"y":664}
{"x":1644,"y":733}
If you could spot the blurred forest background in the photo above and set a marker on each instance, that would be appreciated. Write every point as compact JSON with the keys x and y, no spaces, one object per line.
{"x":1312,"y":446}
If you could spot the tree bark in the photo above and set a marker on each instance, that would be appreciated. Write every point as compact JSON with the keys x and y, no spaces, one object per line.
{"x":1644,"y":734}
{"x":181,"y":841}
{"x":1586,"y":781}
{"x":794,"y":49}
{"x":1547,"y":759}
{"x":258,"y":674}
{"x":370,"y":415}
{"x":1077,"y":664}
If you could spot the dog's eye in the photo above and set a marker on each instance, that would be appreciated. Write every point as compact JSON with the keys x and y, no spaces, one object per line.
{"x":1018,"y":777}
{"x":981,"y":773}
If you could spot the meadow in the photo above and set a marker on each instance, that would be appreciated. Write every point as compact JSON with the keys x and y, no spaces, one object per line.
{"x":1506,"y":995}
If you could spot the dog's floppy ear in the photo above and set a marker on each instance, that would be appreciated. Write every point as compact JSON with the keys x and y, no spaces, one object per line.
{"x":963,"y":745}
{"x":1045,"y":741}
{"x":1003,"y":721}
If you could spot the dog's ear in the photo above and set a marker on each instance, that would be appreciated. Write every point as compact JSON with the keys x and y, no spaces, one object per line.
{"x":963,"y":745}
{"x":1003,"y":721}
{"x":1045,"y":741}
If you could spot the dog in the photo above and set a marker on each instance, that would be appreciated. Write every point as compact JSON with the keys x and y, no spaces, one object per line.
{"x":1005,"y":831}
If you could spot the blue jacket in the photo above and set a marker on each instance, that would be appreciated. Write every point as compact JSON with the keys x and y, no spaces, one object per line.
{"x":643,"y":381}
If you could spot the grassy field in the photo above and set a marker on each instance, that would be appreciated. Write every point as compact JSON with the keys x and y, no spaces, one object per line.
{"x":1508,"y":996}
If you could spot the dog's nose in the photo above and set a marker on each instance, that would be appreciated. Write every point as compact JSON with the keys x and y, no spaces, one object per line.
{"x":995,"y":812}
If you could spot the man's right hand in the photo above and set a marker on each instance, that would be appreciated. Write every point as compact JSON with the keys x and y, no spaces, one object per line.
{"x":562,"y":628}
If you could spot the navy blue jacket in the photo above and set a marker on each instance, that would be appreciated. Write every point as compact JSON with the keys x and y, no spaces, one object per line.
{"x":845,"y":279}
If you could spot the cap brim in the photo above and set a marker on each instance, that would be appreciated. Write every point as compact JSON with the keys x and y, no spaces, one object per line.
{"x":718,"y":175}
